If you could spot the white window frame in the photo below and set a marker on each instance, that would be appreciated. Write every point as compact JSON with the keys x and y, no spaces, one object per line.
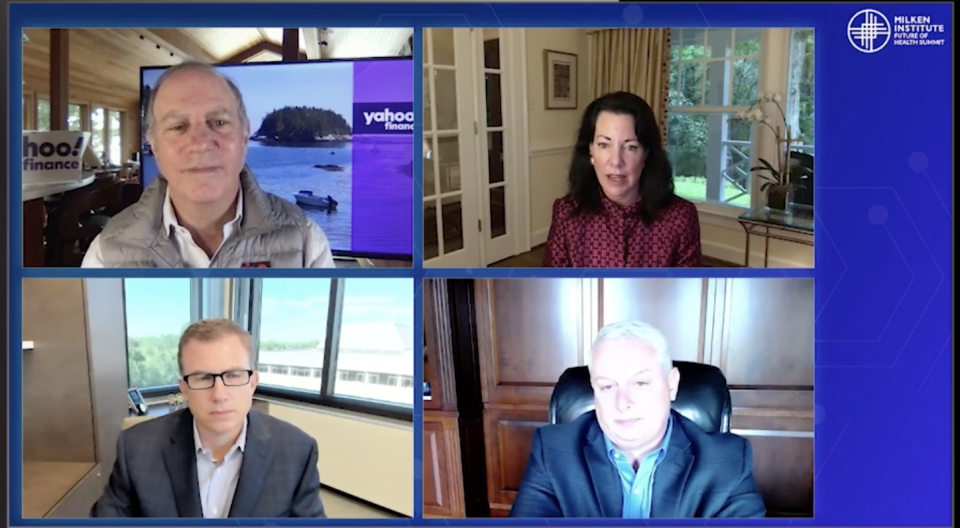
{"x":774,"y":71}
{"x":789,"y":48}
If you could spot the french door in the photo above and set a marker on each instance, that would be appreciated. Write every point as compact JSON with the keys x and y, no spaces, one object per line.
{"x":450,"y":212}
{"x":469,"y":183}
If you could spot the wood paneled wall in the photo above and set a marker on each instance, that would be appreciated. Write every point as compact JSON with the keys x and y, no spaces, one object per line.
{"x":759,"y":332}
{"x":58,"y":423}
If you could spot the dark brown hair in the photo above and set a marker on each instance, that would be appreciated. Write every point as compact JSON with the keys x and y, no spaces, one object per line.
{"x":656,"y":180}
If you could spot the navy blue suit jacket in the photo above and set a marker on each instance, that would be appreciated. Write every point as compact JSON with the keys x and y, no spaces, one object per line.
{"x":702,"y":475}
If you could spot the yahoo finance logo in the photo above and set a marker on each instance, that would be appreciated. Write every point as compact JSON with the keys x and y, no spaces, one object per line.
{"x":46,"y":153}
{"x":383,"y":118}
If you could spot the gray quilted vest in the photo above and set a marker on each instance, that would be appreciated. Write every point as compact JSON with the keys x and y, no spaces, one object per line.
{"x":271,"y":230}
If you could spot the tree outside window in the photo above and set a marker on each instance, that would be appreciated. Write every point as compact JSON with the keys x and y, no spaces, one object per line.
{"x":98,"y":129}
{"x":74,"y":120}
{"x":714,"y":74}
{"x":116,"y":143}
{"x":800,"y":102}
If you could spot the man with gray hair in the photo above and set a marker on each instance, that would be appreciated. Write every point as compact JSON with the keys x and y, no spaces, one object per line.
{"x":634,"y":457}
{"x":205,"y":210}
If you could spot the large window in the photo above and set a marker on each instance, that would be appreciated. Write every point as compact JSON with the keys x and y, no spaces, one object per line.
{"x":98,"y":136}
{"x":115,"y":143}
{"x":345,"y":343}
{"x":293,"y":331}
{"x":74,"y":119}
{"x":714,"y":74}
{"x":157,"y":312}
{"x":106,"y":127}
{"x":375,"y":342}
{"x":43,"y":115}
{"x":800,"y":89}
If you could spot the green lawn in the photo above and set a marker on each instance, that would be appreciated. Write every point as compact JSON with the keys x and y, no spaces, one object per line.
{"x":694,"y":188}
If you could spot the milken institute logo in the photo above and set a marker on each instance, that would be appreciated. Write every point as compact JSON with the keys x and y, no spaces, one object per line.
{"x":869,"y":31}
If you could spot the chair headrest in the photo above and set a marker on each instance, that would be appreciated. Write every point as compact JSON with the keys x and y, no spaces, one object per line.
{"x":702,"y":397}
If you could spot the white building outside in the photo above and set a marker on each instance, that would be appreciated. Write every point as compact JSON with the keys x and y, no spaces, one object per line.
{"x":375,"y":362}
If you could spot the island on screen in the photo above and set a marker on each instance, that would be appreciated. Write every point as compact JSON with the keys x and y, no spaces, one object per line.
{"x":336,"y":139}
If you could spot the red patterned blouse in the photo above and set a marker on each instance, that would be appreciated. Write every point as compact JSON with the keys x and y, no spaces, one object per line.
{"x":617,"y":238}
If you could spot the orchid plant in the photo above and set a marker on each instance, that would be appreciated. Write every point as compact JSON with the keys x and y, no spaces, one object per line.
{"x":781,"y":174}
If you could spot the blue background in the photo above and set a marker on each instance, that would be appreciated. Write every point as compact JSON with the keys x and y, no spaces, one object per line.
{"x":883,"y":447}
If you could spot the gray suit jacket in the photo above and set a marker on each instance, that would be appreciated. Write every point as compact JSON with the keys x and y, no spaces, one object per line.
{"x":155,"y":474}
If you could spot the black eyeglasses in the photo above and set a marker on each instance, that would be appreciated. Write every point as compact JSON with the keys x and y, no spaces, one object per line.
{"x":230,"y":378}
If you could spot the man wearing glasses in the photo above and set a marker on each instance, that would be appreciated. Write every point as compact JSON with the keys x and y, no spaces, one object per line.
{"x":218,"y":458}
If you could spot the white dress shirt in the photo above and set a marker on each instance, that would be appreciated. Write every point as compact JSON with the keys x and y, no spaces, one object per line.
{"x":217,"y":479}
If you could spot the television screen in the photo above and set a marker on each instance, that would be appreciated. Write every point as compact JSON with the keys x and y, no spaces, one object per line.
{"x":333,"y":137}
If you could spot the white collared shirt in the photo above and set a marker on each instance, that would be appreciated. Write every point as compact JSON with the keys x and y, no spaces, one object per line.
{"x":217,"y":479}
{"x":317,"y":253}
{"x":192,"y":254}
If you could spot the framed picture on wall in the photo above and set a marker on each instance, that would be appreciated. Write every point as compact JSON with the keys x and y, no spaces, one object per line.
{"x":560,"y":80}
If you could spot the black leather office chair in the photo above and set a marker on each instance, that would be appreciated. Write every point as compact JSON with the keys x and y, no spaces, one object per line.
{"x":702,"y":397}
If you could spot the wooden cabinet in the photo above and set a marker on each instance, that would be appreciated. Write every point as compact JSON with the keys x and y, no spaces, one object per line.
{"x":442,"y":475}
{"x":442,"y":466}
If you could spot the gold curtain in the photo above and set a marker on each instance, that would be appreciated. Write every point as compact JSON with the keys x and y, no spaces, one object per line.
{"x":635,"y":61}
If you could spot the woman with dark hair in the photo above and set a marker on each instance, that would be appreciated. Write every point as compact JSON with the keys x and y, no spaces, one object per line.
{"x":621,"y":211}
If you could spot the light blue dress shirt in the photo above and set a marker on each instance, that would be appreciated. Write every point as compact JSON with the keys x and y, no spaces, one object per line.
{"x":638,"y":485}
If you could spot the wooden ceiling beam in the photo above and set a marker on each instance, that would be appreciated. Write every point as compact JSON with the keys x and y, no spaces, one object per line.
{"x":291,"y":44}
{"x":252,"y":51}
{"x":258,"y":48}
{"x":59,"y":78}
